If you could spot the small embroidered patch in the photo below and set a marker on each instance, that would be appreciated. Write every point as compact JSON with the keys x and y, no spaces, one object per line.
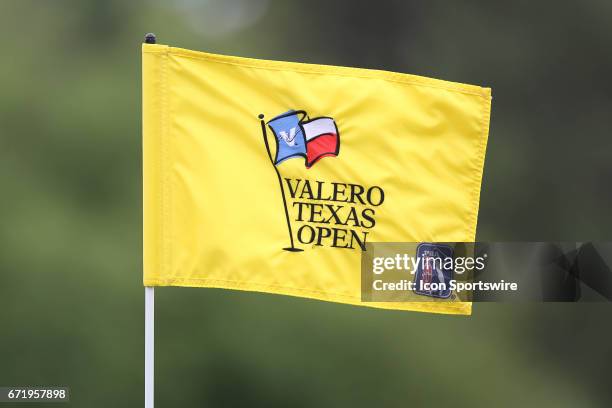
{"x":434,"y":270}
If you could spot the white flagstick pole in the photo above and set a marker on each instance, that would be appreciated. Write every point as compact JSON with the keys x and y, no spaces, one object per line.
{"x":149,"y":345}
{"x":149,"y":319}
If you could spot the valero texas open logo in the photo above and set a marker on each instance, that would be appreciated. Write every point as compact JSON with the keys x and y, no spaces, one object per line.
{"x":330,"y":213}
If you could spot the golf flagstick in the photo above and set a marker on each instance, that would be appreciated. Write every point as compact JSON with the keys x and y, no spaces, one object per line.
{"x":149,"y":320}
{"x":149,"y":345}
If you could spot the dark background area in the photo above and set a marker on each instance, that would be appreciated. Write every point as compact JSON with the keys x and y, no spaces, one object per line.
{"x":71,"y":296}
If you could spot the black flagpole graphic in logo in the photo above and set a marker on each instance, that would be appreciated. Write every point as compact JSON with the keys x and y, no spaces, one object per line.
{"x":295,"y":136}
{"x":292,"y":248}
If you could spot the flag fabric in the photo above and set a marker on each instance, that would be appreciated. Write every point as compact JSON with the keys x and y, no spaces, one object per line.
{"x":273,"y":176}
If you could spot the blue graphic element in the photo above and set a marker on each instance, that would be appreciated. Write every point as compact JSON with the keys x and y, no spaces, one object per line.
{"x":434,"y":271}
{"x":290,"y":140}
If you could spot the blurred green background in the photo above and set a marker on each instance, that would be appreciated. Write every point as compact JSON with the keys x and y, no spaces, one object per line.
{"x":71,"y":297}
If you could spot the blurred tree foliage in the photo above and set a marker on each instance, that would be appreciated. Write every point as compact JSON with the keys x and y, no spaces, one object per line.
{"x":71,"y":298}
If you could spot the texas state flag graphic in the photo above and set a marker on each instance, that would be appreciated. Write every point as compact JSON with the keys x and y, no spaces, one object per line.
{"x":299,"y":136}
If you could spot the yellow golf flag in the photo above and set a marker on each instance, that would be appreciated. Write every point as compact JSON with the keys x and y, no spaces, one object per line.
{"x":272,"y":176}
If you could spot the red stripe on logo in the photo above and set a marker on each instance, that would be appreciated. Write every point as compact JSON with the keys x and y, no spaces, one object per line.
{"x":321,"y":146}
